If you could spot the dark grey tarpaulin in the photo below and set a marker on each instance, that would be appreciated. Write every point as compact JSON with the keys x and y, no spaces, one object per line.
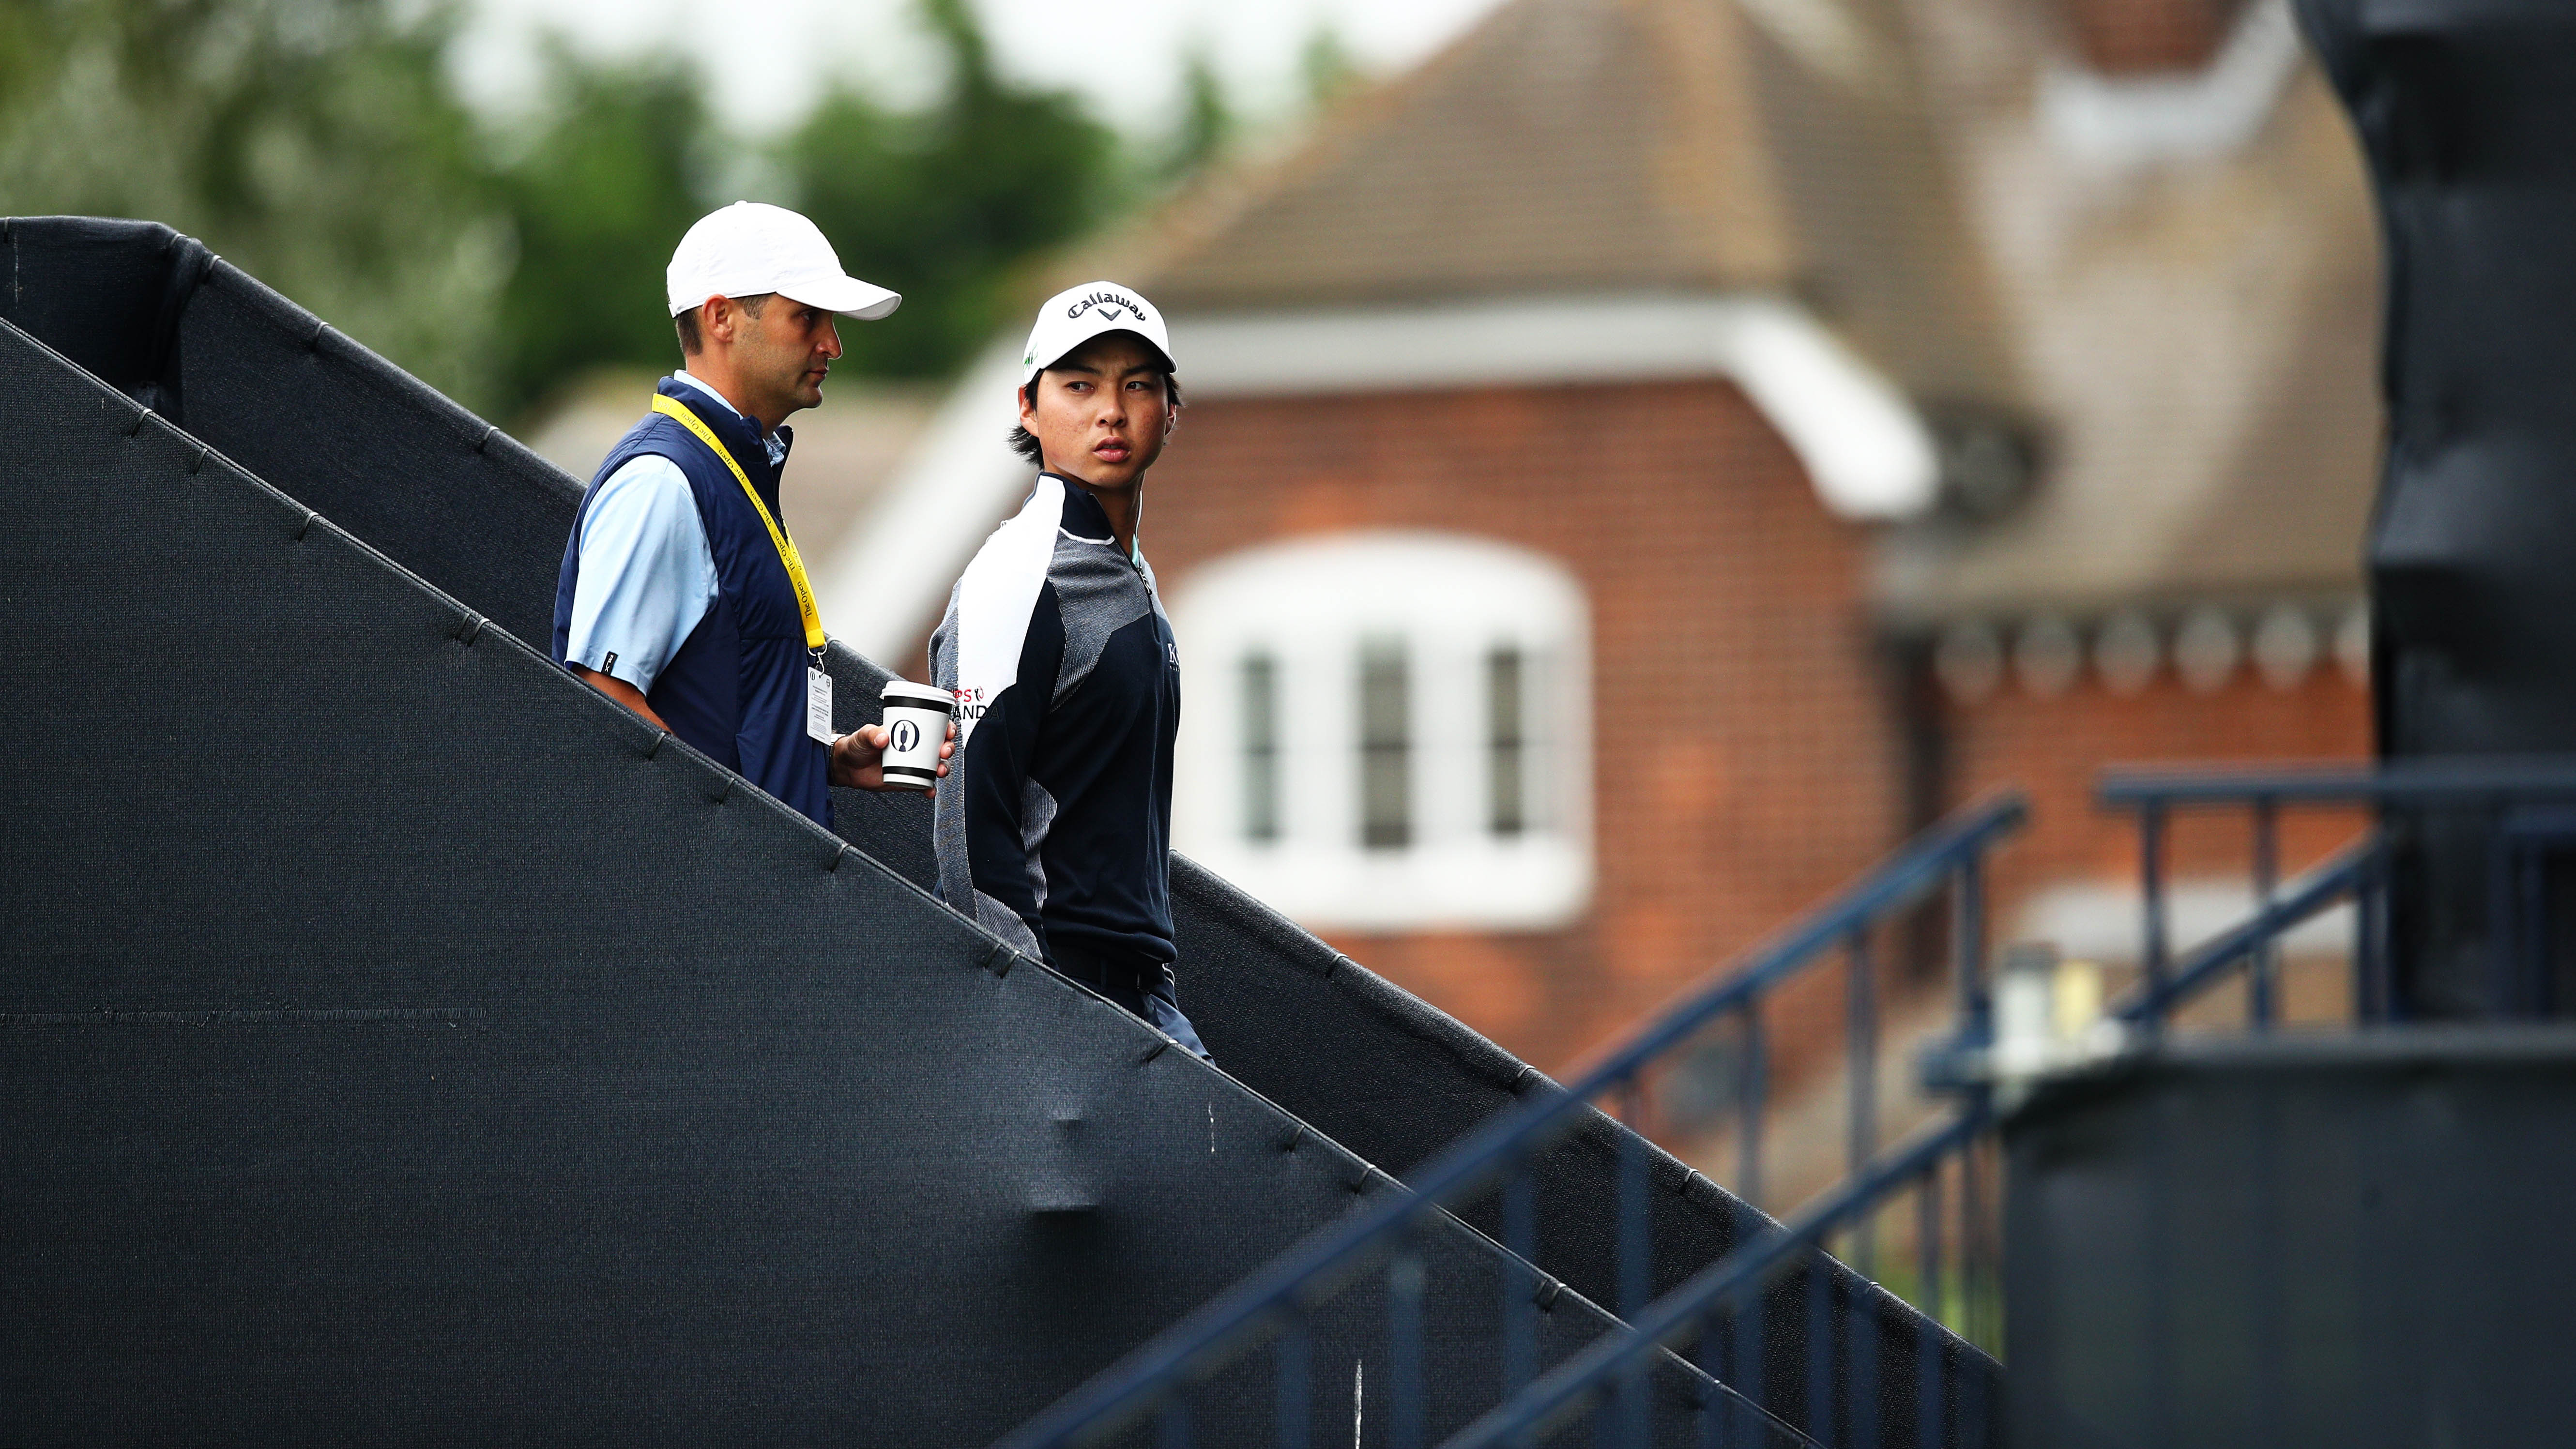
{"x":2348,"y":1241}
{"x":403,"y":1043}
{"x":2467,"y":110}
{"x":451,"y":499}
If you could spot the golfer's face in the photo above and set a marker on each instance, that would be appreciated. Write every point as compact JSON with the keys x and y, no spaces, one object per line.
{"x":1101,"y":412}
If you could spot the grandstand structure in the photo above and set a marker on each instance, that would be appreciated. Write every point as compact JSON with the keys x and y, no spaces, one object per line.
{"x":408,"y":1043}
{"x":405,"y":1043}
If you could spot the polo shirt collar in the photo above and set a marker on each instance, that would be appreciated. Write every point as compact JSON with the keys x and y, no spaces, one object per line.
{"x":773,"y":442}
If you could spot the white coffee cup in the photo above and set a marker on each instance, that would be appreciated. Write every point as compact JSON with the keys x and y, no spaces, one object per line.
{"x":916,"y":725}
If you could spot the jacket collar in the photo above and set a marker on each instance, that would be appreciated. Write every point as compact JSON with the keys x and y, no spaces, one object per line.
{"x":1083,"y":515}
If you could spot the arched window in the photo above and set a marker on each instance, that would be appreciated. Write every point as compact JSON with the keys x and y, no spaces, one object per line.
{"x":1389,"y":730}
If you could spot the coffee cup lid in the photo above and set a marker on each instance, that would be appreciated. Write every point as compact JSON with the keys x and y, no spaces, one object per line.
{"x":918,"y":696}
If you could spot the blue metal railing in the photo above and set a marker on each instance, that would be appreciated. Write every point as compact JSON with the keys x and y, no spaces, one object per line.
{"x":2530,"y":809}
{"x":1721,"y":1295}
{"x":1271,"y":1307}
{"x":2526,"y":806}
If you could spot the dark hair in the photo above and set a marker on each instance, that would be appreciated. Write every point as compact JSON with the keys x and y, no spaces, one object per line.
{"x":1025,"y":443}
{"x":692,"y":341}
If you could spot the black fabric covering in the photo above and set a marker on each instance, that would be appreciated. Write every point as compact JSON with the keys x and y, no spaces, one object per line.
{"x":2465,"y":110}
{"x":404,"y":1043}
{"x":476,"y":515}
{"x":2349,"y":1242}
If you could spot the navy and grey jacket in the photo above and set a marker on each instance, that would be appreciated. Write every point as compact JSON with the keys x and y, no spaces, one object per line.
{"x":1054,"y":829}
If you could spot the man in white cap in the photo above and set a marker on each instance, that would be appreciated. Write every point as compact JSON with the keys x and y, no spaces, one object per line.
{"x":1057,"y":832}
{"x":681,"y":596}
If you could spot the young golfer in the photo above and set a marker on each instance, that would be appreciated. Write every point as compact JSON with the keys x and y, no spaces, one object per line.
{"x":1056,"y":830}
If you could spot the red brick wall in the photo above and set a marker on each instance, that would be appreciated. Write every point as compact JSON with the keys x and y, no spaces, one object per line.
{"x":2055,"y":749}
{"x":1745,"y":756}
{"x":2131,"y":37}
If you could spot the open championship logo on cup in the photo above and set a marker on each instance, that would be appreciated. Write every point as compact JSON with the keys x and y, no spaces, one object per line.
{"x":916,"y":724}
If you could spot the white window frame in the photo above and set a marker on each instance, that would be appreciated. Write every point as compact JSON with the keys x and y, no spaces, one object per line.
{"x":1308,"y":604}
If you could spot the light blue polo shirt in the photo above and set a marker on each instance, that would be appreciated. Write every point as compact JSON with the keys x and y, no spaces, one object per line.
{"x":647,"y":575}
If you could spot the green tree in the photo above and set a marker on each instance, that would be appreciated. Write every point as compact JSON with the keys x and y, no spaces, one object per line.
{"x":943,"y":204}
{"x":1326,"y":64}
{"x":315,"y":143}
{"x":320,"y":145}
{"x":1207,"y":124}
{"x":609,"y":178}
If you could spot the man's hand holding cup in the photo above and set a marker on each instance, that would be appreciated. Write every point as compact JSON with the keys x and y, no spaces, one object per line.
{"x":910,"y":751}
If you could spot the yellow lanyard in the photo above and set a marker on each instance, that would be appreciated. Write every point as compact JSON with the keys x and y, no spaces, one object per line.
{"x":786,"y":548}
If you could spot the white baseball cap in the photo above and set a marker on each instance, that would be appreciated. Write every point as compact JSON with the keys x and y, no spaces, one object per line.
{"x":750,"y":249}
{"x":1075,"y":315}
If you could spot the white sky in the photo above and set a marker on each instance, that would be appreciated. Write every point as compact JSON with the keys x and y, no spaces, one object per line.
{"x":768,"y":58}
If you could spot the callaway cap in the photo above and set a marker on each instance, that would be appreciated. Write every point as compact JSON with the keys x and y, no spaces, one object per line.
{"x":1075,"y":315}
{"x":750,"y":249}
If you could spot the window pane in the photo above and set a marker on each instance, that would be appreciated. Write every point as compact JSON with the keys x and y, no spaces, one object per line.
{"x":1260,"y":747}
{"x":1386,"y":746}
{"x":1506,"y":743}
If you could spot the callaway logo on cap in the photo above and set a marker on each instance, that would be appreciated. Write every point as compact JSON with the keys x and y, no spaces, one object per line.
{"x":1075,"y":315}
{"x":750,"y":249}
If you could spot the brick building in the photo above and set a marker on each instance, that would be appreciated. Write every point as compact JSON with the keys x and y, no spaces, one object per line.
{"x":1647,"y":461}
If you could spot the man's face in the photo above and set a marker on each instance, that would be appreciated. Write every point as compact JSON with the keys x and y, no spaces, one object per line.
{"x":782,"y":355}
{"x":1101,"y":412}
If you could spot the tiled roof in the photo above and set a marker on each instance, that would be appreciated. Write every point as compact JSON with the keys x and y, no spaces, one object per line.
{"x":1562,"y":146}
{"x":2200,"y":342}
{"x":2187,"y":340}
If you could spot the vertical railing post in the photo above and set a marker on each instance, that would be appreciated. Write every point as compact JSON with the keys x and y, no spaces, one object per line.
{"x":1968,"y":947}
{"x":2503,"y":951}
{"x":1928,"y":1346}
{"x":2261,"y":985}
{"x":2373,"y":995}
{"x":2531,"y":878}
{"x":1636,"y":1408}
{"x":1293,"y":1359}
{"x":1404,"y":1423}
{"x":1520,"y":1279}
{"x":1930,"y":1419}
{"x":1861,"y":1032}
{"x":1749,"y":1105}
{"x":1820,"y":1351}
{"x":2152,"y":955}
{"x":1745,"y":1336}
{"x":1972,"y":1238}
{"x":1860,"y":1333}
{"x":1977,"y":1028}
{"x":1636,"y":1231}
{"x":1718,"y":1407}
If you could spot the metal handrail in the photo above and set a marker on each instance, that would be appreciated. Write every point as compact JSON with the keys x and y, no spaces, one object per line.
{"x":1723,"y":1285}
{"x":2359,"y":872}
{"x":1275,"y":1297}
{"x":2490,"y":785}
{"x":2347,"y":872}
{"x":2427,"y":781}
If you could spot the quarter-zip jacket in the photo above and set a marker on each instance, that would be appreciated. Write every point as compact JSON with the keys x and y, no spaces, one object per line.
{"x":1055,"y":828}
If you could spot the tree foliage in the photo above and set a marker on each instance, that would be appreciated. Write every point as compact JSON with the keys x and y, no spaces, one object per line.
{"x":315,"y":143}
{"x":598,"y":195}
{"x":943,"y":204}
{"x":320,"y":145}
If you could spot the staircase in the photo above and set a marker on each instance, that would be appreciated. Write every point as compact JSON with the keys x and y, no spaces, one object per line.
{"x":409,"y":1044}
